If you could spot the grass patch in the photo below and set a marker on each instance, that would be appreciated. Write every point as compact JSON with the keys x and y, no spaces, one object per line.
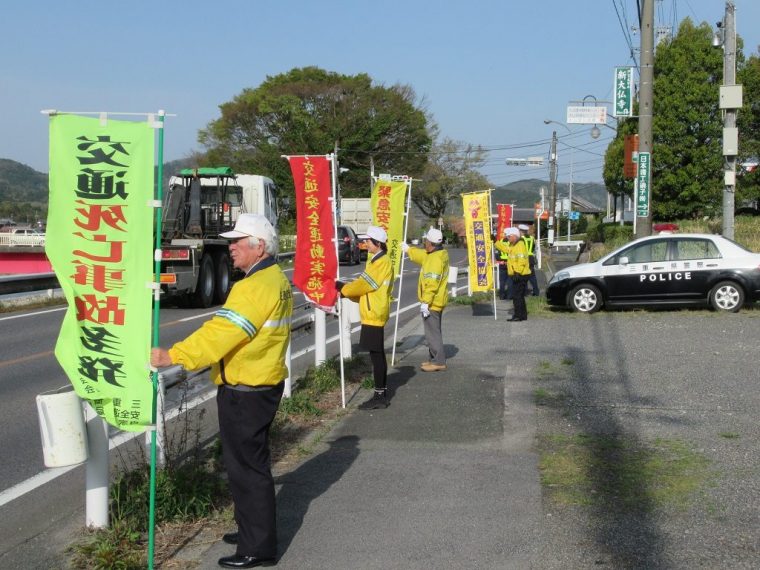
{"x":567,"y":361}
{"x":543,"y":397}
{"x":479,"y":297}
{"x":621,"y":473}
{"x":729,"y":435}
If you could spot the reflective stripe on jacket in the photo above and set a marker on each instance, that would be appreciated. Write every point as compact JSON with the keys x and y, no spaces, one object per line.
{"x":530,"y":243}
{"x":246,"y":340}
{"x":372,"y":290}
{"x":431,"y":287}
{"x":517,"y":257}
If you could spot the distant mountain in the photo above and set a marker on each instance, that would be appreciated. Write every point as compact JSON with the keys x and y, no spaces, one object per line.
{"x":526,"y":193}
{"x":21,"y":183}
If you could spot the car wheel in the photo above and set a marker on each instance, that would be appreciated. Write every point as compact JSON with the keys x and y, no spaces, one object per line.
{"x":585,"y":299}
{"x":727,"y":296}
{"x":204,"y":289}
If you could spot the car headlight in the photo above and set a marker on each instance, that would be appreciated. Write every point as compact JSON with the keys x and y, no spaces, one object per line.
{"x":560,"y":276}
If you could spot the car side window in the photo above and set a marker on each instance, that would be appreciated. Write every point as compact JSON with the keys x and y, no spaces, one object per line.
{"x":648,"y":252}
{"x":696,"y":249}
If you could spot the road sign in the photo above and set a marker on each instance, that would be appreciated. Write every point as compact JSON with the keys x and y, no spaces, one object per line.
{"x":587,"y":115}
{"x":574,"y":215}
{"x":623,"y":100}
{"x":643,"y":178}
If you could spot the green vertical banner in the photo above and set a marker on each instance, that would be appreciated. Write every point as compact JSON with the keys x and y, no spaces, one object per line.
{"x":623,"y":93}
{"x":100,"y":243}
{"x":388,"y":203}
{"x":643,"y":183}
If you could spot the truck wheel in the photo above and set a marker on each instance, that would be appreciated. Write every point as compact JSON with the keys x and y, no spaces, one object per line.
{"x":222,"y":274}
{"x":204,"y":288}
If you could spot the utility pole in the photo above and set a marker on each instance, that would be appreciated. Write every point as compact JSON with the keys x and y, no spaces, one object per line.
{"x":646,"y":103}
{"x":730,"y":133}
{"x":553,"y":187}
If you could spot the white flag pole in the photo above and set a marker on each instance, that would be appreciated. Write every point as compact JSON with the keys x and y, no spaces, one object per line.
{"x":334,"y":176}
{"x":493,"y":256}
{"x":401,"y":267}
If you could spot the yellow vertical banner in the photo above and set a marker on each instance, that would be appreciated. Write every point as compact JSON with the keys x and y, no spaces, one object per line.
{"x":100,"y":243}
{"x":477,"y":223}
{"x":388,"y":208}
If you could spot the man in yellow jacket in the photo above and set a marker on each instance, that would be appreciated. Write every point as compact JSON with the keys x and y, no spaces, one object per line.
{"x":245,"y":344}
{"x":372,"y":290}
{"x":518,"y":269}
{"x":432,"y":293}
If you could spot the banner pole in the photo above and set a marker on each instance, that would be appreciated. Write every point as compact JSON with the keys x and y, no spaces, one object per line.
{"x":401,"y":268}
{"x":156,"y":339}
{"x":334,"y":172}
{"x":494,"y":269}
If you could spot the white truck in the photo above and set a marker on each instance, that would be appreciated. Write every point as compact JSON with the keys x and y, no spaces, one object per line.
{"x":356,"y":212}
{"x":198,"y":205}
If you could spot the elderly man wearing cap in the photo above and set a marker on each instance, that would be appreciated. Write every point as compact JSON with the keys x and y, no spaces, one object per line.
{"x":530,"y":245}
{"x":518,"y":270}
{"x":245,"y":344}
{"x":372,"y":290}
{"x":432,"y":293}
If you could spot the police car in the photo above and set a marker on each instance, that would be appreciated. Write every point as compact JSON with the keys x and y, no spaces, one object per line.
{"x":673,"y":269}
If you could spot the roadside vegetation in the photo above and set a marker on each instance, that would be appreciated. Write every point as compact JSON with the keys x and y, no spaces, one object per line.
{"x":191,"y":490}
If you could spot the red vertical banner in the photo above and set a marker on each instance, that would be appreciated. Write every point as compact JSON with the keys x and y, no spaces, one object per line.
{"x":504,"y":220}
{"x":316,"y":263}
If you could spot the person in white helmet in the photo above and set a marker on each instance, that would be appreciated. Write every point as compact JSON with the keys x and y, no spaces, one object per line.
{"x":518,"y":270}
{"x":432,"y":293}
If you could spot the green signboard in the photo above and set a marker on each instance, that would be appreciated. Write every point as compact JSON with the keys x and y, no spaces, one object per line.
{"x":623,"y":103}
{"x":643,"y":178}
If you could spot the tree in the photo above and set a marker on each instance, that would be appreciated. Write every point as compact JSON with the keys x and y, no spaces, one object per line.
{"x":748,"y":183}
{"x":450,"y":171}
{"x":687,"y":161}
{"x":306,"y":111}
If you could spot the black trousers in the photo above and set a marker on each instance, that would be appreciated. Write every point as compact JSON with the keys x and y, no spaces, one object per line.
{"x":244,"y":420}
{"x":372,"y":338}
{"x":519,"y":283}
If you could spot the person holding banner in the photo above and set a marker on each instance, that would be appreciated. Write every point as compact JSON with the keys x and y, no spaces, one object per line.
{"x":530,"y":244}
{"x":372,"y":290}
{"x":432,"y":293}
{"x":245,"y":344}
{"x":505,"y":283}
{"x":518,"y":270}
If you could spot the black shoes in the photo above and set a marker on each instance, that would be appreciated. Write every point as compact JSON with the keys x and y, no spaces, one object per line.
{"x":377,"y":402}
{"x":515,"y":320}
{"x":239,"y":561}
{"x":231,"y":537}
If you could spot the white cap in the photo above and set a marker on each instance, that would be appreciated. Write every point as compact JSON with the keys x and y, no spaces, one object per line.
{"x":252,"y":225}
{"x":512,"y":232}
{"x":376,"y":233}
{"x":523,"y":227}
{"x":434,"y":235}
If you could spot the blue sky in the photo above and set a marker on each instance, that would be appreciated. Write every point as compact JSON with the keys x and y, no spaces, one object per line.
{"x":490,"y":71}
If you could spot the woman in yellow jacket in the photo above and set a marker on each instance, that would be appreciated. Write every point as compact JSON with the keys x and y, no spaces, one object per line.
{"x":432,"y":293}
{"x":372,"y":290}
{"x":518,"y":269}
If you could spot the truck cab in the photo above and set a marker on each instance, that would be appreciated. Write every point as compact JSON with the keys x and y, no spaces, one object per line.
{"x":198,"y":205}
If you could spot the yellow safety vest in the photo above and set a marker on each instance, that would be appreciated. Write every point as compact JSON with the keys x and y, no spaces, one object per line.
{"x":372,"y":290}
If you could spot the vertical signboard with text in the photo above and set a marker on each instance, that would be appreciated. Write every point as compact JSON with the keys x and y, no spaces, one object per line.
{"x":101,"y":249}
{"x":643,"y":178}
{"x":623,"y":98}
{"x":388,"y":207}
{"x":477,"y":223}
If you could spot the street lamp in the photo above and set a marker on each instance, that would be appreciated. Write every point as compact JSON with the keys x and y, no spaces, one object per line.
{"x":572,"y":162}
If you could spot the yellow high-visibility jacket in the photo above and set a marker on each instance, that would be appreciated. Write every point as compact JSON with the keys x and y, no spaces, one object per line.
{"x":372,"y":290}
{"x":517,"y":257}
{"x":431,"y":286}
{"x":246,"y":340}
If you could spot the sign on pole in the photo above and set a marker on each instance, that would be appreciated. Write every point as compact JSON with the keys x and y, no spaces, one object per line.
{"x":643,"y":177}
{"x":623,"y":100}
{"x":586,"y":115}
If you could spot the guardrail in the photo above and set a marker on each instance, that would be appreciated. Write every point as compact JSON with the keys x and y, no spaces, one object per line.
{"x":12,"y":240}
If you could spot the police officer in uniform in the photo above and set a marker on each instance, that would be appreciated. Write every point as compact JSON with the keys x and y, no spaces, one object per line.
{"x":245,"y":344}
{"x":530,"y":244}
